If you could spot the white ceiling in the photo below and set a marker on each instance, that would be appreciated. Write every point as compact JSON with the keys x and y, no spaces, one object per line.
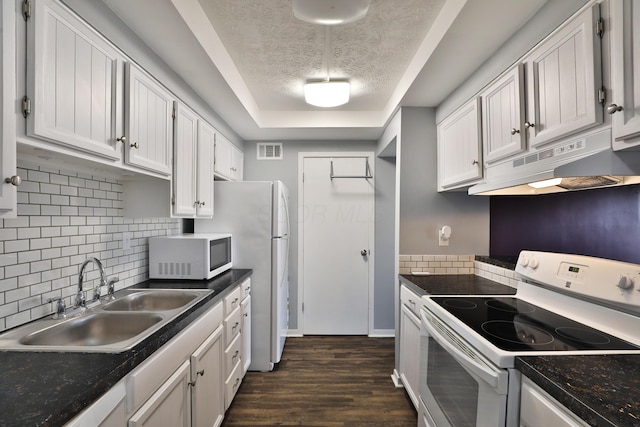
{"x":249,"y":59}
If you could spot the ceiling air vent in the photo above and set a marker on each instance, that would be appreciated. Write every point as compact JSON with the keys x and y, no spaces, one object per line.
{"x":269,"y":150}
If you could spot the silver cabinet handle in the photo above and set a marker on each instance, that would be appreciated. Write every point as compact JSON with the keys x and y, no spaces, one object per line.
{"x":364,"y":252}
{"x":14,"y":180}
{"x":614,"y":108}
{"x":122,"y":139}
{"x":515,"y":131}
{"x":529,"y":125}
{"x":134,"y":145}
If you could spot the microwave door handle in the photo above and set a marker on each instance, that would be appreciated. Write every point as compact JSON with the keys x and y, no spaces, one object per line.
{"x":488,"y":375}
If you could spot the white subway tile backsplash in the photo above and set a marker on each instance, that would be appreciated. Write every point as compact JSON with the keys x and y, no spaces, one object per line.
{"x":63,"y":218}
{"x":456,"y":264}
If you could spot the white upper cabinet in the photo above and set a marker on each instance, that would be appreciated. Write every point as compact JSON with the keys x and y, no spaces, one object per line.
{"x":459,"y":146}
{"x":8,"y":192}
{"x":564,"y":79}
{"x":625,"y":64}
{"x":148,"y":122}
{"x":502,"y":111}
{"x":228,"y":159}
{"x":74,"y":82}
{"x":205,"y":160}
{"x":184,"y":161}
{"x":193,"y":165}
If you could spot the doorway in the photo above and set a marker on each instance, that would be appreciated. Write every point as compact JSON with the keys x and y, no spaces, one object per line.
{"x":336,"y":214}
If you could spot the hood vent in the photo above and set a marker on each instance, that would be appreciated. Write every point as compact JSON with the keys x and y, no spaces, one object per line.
{"x":581,"y":164}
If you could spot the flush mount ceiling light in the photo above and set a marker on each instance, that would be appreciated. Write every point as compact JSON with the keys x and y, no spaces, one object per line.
{"x":330,"y":12}
{"x":330,"y":93}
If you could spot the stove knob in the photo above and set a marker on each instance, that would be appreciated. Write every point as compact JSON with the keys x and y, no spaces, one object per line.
{"x":625,"y":282}
{"x":534,"y":263}
{"x":524,"y":261}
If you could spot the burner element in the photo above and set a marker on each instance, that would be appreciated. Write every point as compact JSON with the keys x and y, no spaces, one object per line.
{"x":584,"y":336}
{"x":511,"y":305}
{"x":517,"y":332}
{"x":460,"y":303}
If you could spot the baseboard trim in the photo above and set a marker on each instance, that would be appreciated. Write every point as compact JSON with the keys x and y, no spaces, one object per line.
{"x":395,"y":377}
{"x":383,"y":333}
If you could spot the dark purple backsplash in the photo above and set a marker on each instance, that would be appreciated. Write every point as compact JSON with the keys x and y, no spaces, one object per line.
{"x":602,"y":223}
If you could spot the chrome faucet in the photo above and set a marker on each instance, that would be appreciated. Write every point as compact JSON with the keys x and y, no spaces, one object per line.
{"x":80,"y":298}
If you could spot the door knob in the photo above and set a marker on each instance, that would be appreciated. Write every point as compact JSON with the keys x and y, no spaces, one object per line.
{"x":364,"y":252}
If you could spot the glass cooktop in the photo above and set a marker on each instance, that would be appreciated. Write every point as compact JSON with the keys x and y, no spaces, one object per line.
{"x":515,"y":325}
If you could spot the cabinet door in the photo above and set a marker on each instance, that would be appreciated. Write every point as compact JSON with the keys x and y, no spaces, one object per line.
{"x":149,"y":122}
{"x":8,"y":192}
{"x":502,"y":110}
{"x":207,"y":397}
{"x":245,"y":308}
{"x":74,"y":81}
{"x":222,"y":165}
{"x":563,"y":80}
{"x":205,"y":160}
{"x":459,"y":145}
{"x":237,"y":164}
{"x":184,"y":163}
{"x":625,"y":64}
{"x":170,"y":405}
{"x":410,"y":353}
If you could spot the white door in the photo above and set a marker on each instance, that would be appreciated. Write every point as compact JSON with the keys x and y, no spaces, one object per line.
{"x":337,"y":237}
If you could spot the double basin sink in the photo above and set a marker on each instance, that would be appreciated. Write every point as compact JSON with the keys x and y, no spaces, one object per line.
{"x":112,"y":326}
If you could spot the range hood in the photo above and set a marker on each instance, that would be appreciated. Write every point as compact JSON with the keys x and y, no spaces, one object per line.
{"x":578,"y":164}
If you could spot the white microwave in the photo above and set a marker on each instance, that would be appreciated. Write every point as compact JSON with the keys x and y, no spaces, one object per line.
{"x":189,"y":256}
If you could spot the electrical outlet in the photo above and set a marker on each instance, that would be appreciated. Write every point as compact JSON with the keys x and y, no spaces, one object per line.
{"x":126,"y":241}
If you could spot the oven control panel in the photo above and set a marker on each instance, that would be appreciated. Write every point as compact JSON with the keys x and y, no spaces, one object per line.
{"x":607,"y":280}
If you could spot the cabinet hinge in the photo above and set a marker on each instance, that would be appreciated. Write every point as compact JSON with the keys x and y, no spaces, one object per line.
{"x":173,"y":200}
{"x":26,"y":106}
{"x":26,"y":10}
{"x":600,"y":28}
{"x":173,"y":114}
{"x":602,"y":95}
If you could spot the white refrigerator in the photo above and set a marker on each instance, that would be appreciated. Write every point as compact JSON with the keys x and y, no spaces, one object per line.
{"x":256,"y":214}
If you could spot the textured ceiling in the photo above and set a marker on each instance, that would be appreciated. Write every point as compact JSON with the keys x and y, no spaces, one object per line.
{"x":248,"y":59}
{"x":276,"y":53}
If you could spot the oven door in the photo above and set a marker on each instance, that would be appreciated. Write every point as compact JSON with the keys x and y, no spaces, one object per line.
{"x":458,"y":386}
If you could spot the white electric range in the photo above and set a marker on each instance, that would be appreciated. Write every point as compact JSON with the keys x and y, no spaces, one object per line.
{"x":565,"y":304}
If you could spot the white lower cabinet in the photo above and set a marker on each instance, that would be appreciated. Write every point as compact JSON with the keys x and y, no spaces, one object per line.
{"x":539,"y":409}
{"x":245,"y":308}
{"x":207,"y":399}
{"x":169,"y":406}
{"x":410,"y":343}
{"x":233,"y":366}
{"x":190,"y":381}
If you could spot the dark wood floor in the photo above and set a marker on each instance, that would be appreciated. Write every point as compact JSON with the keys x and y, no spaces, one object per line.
{"x":325,"y":381}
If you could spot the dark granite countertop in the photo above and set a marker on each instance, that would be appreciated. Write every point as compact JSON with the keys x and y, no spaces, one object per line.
{"x":50,"y":388}
{"x":603,"y":390}
{"x":508,"y":262}
{"x":454,"y":284}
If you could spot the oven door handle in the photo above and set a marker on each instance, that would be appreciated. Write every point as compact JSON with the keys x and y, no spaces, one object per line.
{"x":477,"y":367}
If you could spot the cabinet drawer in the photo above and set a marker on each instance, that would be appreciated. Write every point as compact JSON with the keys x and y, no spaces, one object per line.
{"x":246,"y":288}
{"x":232,"y":301}
{"x":232,"y":384}
{"x":232,"y":355}
{"x":232,"y":326}
{"x":410,"y":299}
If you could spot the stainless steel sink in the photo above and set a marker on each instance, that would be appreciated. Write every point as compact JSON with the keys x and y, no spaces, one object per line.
{"x":153,"y":300}
{"x":95,"y":329}
{"x":112,"y":326}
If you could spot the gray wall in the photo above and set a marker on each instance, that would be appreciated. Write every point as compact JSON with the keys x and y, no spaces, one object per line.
{"x":286,"y":170}
{"x":422,"y":209}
